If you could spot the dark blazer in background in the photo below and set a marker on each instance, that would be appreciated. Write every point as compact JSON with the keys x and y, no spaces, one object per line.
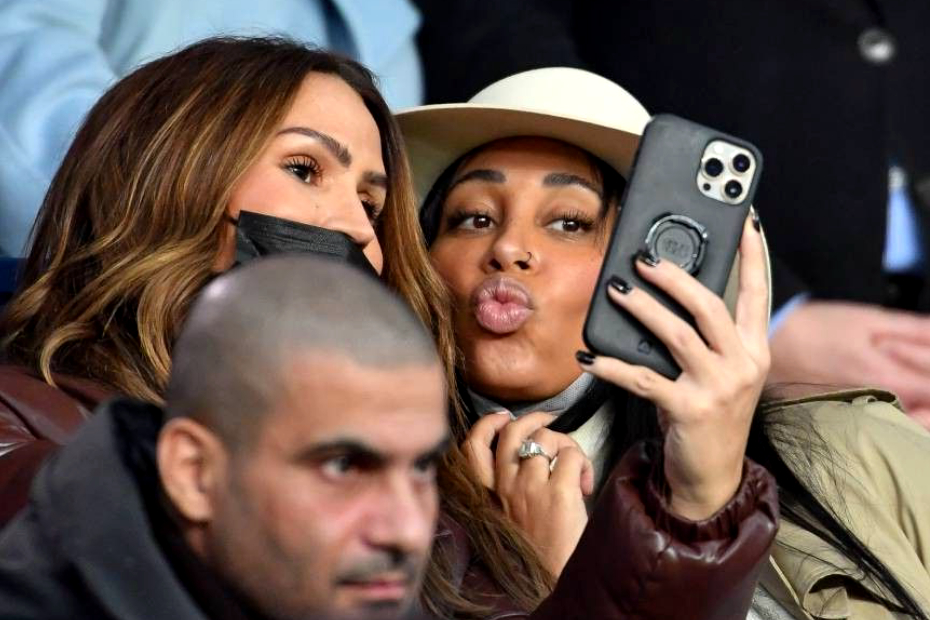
{"x":792,"y":76}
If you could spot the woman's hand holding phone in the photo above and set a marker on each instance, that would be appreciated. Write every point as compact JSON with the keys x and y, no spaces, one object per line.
{"x":706,"y":412}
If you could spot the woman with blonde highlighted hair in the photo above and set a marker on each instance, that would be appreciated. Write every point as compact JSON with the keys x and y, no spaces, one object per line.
{"x":142,"y":211}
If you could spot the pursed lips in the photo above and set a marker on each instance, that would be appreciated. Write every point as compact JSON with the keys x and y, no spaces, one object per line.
{"x":501,"y":304}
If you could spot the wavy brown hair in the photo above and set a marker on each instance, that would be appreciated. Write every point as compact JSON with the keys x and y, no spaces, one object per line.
{"x":132,"y":225}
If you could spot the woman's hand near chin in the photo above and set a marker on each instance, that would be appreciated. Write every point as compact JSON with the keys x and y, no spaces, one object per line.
{"x":546,"y":503}
{"x":706,"y":412}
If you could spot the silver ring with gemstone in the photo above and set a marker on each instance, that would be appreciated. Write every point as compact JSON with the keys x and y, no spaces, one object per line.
{"x":529,"y":449}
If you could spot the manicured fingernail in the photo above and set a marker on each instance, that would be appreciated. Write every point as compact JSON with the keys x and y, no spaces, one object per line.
{"x":755,"y":221}
{"x":647,"y":257}
{"x":584,"y":357}
{"x":620,"y":285}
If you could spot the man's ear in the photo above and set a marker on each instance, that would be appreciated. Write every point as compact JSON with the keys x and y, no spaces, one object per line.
{"x":192,"y":465}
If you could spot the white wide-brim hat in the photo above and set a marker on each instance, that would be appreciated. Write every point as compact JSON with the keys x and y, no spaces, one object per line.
{"x":571,"y":105}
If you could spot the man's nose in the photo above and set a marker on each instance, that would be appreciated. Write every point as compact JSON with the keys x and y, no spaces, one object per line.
{"x":405,"y":518}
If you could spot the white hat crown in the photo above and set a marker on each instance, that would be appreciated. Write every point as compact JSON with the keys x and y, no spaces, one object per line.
{"x":571,"y":105}
{"x":567,"y":93}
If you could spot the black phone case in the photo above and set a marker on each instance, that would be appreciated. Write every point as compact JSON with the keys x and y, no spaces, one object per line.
{"x":663,"y":183}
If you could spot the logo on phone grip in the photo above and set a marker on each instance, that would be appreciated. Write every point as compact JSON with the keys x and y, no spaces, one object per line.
{"x":678,"y":239}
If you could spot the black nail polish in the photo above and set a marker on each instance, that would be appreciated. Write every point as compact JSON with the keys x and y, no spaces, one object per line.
{"x":755,"y":221}
{"x":584,"y":357}
{"x":619,"y":284}
{"x":648,"y":257}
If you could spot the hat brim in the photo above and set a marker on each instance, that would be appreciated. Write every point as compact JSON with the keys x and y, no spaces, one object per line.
{"x":437,"y":135}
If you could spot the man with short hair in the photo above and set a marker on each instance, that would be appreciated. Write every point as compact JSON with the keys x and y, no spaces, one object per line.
{"x":291,"y":474}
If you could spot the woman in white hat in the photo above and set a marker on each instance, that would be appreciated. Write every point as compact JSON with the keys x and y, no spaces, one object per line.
{"x":521,"y":185}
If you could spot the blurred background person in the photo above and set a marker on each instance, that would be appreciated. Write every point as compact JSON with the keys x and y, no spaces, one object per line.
{"x":834,"y":94}
{"x":57,"y":57}
{"x":246,"y":498}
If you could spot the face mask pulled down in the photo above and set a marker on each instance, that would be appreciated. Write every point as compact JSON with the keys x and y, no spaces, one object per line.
{"x":260,"y":235}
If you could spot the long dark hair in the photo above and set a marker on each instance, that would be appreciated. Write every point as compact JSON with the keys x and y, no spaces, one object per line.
{"x":770,"y":437}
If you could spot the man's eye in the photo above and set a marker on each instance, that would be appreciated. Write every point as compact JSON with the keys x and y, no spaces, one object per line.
{"x":425,"y":470}
{"x":339,"y":467}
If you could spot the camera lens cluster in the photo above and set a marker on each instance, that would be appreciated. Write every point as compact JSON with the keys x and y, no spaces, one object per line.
{"x":740,"y":164}
{"x":726,"y":171}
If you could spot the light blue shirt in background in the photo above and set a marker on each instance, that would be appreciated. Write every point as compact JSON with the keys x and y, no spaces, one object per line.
{"x":57,"y":57}
{"x":904,"y":250}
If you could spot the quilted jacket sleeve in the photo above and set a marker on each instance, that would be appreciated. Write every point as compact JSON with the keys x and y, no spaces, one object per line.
{"x":637,"y":560}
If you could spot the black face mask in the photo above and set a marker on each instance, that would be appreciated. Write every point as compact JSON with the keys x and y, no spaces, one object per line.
{"x":263,"y":235}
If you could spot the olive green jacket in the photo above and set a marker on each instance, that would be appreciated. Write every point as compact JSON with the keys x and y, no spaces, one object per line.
{"x":876,"y":478}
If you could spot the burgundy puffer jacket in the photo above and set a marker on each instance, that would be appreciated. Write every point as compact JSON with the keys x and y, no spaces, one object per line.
{"x":36,"y":418}
{"x":637,"y":560}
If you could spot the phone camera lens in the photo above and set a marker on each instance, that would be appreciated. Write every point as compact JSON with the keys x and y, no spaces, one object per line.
{"x":741,"y":163}
{"x":713,"y":167}
{"x":733,"y":189}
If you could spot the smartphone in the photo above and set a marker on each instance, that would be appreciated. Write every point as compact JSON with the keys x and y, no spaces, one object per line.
{"x":686,"y":200}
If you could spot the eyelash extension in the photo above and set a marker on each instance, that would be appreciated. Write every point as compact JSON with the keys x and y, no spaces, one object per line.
{"x":585,"y":222}
{"x":456,"y":218}
{"x":304,"y":168}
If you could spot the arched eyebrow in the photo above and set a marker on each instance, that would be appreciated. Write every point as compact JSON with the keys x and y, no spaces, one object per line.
{"x":486,"y":175}
{"x":553,"y":179}
{"x":334,"y":146}
{"x":339,"y":151}
{"x":560,"y":179}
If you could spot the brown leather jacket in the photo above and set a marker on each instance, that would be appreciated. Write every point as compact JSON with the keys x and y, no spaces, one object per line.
{"x":36,"y":418}
{"x":635,"y":560}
